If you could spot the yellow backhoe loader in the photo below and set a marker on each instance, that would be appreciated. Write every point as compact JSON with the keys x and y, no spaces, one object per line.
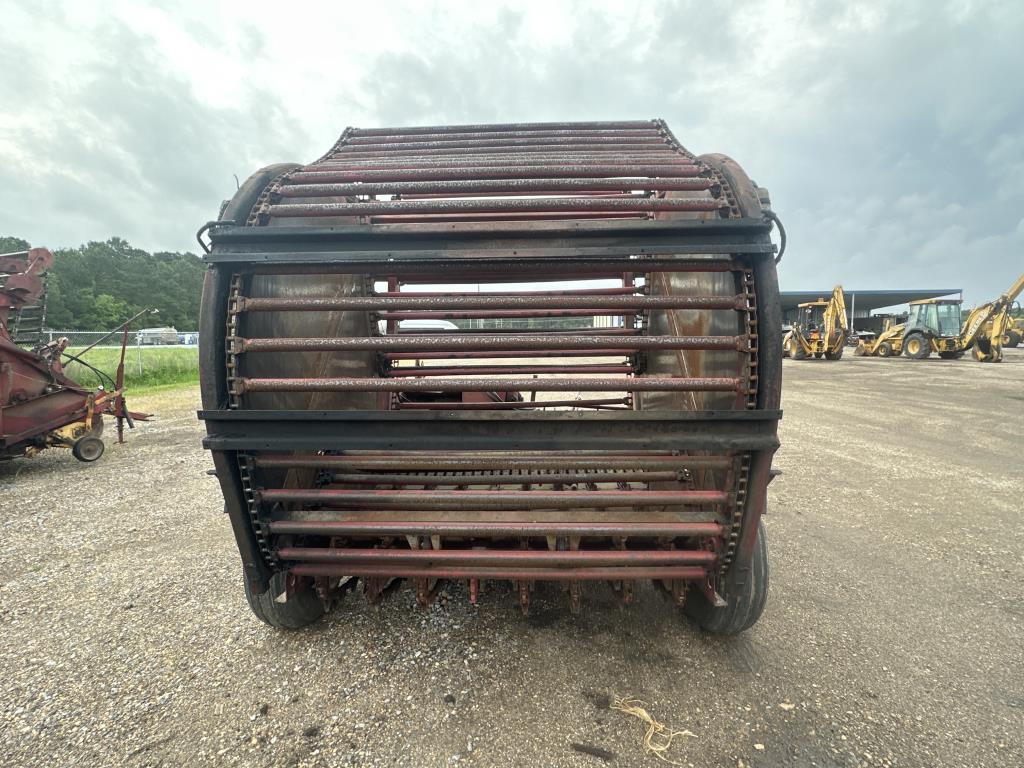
{"x":820,"y":329}
{"x":934,"y":325}
{"x":995,"y":316}
{"x":1013,"y":333}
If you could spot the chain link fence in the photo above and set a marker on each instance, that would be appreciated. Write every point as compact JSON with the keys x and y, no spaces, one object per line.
{"x":153,"y":357}
{"x":80,"y":339}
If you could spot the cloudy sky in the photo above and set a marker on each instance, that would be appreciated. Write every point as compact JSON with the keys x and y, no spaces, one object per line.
{"x":891,"y":135}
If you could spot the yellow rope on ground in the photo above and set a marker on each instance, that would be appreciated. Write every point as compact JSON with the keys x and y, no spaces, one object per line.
{"x":658,"y":738}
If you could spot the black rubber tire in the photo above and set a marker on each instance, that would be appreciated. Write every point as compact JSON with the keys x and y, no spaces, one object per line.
{"x":299,"y":611}
{"x":884,"y":349}
{"x":88,"y":448}
{"x":744,"y":602}
{"x":837,"y":355}
{"x":916,"y":346}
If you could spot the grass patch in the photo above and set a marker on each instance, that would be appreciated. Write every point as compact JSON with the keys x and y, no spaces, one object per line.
{"x":144,"y":367}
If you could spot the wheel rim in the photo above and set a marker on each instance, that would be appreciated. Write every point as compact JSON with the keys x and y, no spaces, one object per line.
{"x":913,"y":346}
{"x":91,"y":450}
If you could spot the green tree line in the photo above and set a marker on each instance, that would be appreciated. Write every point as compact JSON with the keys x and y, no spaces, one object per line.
{"x":98,"y":286}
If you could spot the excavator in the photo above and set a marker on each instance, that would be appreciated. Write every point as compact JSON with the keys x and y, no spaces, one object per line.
{"x":820,"y":329}
{"x":934,"y":325}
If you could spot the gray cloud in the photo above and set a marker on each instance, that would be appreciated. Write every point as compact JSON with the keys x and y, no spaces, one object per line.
{"x":889,"y":134}
{"x":127,"y":148}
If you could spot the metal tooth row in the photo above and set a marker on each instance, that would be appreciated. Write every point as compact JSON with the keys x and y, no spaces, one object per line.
{"x":739,"y":503}
{"x":444,"y":164}
{"x":231,"y":355}
{"x":750,"y":298}
{"x":246,"y":471}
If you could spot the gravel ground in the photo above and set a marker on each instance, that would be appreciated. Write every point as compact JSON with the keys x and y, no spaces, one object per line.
{"x":892,"y":636}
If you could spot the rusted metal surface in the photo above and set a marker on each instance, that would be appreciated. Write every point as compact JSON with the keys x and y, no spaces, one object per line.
{"x":516,"y":558}
{"x":492,"y":529}
{"x":345,"y":288}
{"x":438,"y":461}
{"x":497,"y":205}
{"x":458,"y":341}
{"x":513,"y":405}
{"x":592,"y":304}
{"x":507,"y":370}
{"x":689,"y":573}
{"x":510,"y":384}
{"x":496,"y":186}
{"x":490,"y":499}
{"x":442,"y":172}
{"x":505,"y":477}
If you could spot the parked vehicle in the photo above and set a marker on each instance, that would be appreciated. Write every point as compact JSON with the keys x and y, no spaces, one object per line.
{"x":153,"y":336}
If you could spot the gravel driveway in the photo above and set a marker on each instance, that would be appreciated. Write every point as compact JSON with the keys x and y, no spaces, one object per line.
{"x":892,"y":636}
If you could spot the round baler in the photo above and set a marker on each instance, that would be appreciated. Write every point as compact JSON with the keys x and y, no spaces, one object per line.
{"x":523,"y":353}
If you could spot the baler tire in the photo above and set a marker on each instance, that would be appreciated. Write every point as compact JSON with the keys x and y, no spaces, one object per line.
{"x":299,"y":611}
{"x":743,"y":605}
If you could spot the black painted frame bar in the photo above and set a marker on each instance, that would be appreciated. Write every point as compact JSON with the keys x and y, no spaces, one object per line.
{"x":250,"y":430}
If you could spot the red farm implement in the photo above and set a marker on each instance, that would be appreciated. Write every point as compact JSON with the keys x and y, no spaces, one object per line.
{"x":591,"y":394}
{"x":40,"y":407}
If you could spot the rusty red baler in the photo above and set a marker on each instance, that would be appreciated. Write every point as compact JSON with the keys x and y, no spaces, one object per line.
{"x":40,"y":407}
{"x":594,"y":396}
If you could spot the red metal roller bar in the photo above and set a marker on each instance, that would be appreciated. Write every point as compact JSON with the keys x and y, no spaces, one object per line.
{"x":497,"y":205}
{"x":649,"y":132}
{"x":620,"y":291}
{"x":513,"y":405}
{"x":410,"y":301}
{"x":539,"y":156}
{"x":497,"y":558}
{"x":494,"y":529}
{"x":562,"y":143}
{"x":471,"y":355}
{"x":493,"y":186}
{"x":667,"y":573}
{"x":538,"y":332}
{"x":501,"y":477}
{"x":419,"y":130}
{"x":502,"y":172}
{"x":448,"y":219}
{"x":500,"y":314}
{"x":505,"y":370}
{"x":459,"y":342}
{"x":462,"y":384}
{"x":500,"y":162}
{"x":491,"y":500}
{"x":568,"y":154}
{"x":513,"y":461}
